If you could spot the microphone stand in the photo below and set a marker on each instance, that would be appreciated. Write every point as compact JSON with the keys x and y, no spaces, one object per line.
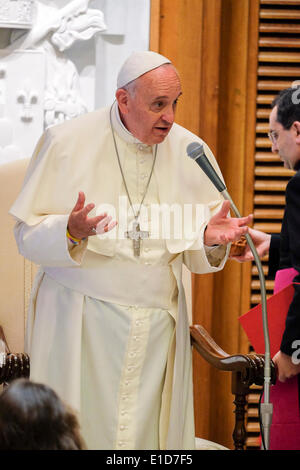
{"x":195,"y":151}
{"x":266,"y":407}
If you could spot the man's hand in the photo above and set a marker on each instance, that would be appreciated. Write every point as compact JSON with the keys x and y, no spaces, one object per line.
{"x":80,"y":226}
{"x":221,"y":229}
{"x":261,"y":241}
{"x":285,"y":367}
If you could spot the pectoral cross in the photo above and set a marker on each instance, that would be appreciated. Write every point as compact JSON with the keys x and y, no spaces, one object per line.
{"x":136,"y":235}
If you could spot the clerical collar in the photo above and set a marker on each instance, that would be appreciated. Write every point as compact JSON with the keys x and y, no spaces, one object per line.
{"x":121,"y":129}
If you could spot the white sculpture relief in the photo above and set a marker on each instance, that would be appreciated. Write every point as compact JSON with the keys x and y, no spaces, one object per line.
{"x":39,"y":84}
{"x":54,"y":31}
{"x":16,"y":14}
{"x":2,"y":84}
{"x":80,"y":26}
{"x":25,"y":12}
{"x":8,"y":149}
{"x":21,"y":103}
{"x":63,"y":99}
{"x":74,"y":19}
{"x":4,"y":10}
{"x":27,"y":98}
{"x":55,"y":42}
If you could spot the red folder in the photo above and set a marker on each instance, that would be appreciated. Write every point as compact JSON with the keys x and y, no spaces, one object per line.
{"x":277,"y":308}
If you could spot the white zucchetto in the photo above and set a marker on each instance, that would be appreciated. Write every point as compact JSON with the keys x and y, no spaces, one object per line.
{"x":139,"y":63}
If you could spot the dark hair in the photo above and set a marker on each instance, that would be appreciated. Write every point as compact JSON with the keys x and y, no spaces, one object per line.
{"x":288,"y":106}
{"x":32,"y":417}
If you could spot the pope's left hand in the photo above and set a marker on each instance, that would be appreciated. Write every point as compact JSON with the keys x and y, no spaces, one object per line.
{"x":221,"y":229}
{"x":286,"y":369}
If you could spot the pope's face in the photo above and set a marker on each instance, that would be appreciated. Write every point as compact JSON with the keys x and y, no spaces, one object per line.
{"x":148,"y":111}
{"x":285,"y":142}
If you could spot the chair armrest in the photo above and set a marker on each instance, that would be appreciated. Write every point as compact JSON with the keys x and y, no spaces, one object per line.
{"x":246,"y":370}
{"x":250,"y":365}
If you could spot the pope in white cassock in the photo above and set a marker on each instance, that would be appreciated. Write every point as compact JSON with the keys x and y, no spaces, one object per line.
{"x":107,"y":325}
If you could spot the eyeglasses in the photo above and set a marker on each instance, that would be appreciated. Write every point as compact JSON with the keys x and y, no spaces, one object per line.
{"x":273,"y":136}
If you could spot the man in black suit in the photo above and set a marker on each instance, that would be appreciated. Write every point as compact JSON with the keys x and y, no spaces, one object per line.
{"x":284,"y":252}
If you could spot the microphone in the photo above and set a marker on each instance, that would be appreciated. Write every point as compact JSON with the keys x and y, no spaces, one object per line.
{"x":195,"y":151}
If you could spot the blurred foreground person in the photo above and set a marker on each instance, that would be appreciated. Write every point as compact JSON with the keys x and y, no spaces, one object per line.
{"x":32,"y":417}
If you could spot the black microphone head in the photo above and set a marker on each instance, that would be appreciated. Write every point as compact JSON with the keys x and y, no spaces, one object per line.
{"x":195,"y":150}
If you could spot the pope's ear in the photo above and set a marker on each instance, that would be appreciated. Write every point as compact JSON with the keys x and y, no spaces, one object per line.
{"x":122,"y":99}
{"x":296,"y":125}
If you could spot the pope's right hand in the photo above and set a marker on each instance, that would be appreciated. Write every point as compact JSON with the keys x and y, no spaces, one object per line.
{"x":80,"y":226}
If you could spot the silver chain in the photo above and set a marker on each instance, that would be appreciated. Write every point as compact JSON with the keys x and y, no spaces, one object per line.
{"x":123,"y":177}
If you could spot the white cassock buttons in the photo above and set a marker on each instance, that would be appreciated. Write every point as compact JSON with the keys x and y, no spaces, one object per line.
{"x":132,"y":369}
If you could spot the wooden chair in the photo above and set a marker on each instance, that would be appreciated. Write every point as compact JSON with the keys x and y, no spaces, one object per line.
{"x":246,"y":370}
{"x":12,"y":365}
{"x":16,"y":273}
{"x":16,"y":276}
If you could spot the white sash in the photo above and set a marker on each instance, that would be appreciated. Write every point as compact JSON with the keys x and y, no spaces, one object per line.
{"x":121,"y":282}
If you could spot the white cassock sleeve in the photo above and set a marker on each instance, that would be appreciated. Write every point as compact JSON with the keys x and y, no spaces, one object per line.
{"x":201,"y":259}
{"x":46,"y":243}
